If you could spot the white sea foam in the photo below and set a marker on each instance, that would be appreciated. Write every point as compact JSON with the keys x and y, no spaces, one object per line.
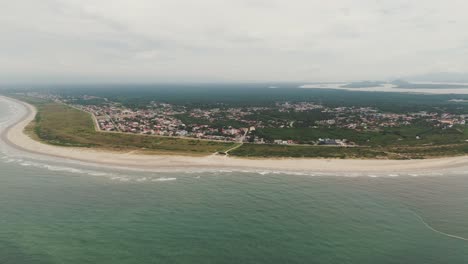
{"x":11,"y":160}
{"x":162,"y":179}
{"x":293,"y":173}
{"x":122,"y":179}
{"x":26,"y":162}
{"x":215,"y":171}
{"x":268,"y":172}
{"x":56,"y":168}
{"x":142,"y":179}
{"x":353,"y":175}
{"x":98,"y":173}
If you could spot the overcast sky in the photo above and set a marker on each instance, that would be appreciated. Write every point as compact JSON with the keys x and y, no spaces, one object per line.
{"x":230,"y":40}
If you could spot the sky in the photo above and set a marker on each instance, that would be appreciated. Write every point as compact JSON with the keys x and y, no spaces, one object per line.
{"x":230,"y":40}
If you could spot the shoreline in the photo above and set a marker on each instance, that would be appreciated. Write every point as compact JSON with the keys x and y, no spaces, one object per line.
{"x":15,"y":137}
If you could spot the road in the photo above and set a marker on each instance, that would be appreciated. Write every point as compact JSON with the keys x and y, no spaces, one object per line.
{"x":241,"y":142}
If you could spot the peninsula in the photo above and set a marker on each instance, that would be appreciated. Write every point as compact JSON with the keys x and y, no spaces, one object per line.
{"x":96,"y":132}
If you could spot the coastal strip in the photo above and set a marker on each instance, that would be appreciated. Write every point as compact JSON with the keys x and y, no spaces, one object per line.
{"x":15,"y":137}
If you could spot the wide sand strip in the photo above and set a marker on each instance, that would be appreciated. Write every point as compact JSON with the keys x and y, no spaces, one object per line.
{"x":15,"y":136}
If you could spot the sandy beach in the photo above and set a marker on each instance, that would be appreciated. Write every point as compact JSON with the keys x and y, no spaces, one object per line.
{"x":15,"y":137}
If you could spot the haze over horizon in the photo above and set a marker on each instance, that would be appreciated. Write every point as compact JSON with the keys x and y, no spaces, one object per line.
{"x":230,"y":41}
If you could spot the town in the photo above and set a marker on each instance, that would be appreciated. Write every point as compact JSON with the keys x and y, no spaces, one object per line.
{"x":239,"y":124}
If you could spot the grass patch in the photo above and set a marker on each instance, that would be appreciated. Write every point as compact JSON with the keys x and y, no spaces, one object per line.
{"x":255,"y":150}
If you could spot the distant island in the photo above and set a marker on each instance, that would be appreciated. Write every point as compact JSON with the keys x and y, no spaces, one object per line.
{"x":363,"y":84}
{"x":403,"y":84}
{"x":258,"y":122}
{"x":410,"y":85}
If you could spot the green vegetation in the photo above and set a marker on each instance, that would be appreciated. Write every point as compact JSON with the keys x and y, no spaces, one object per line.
{"x":391,"y":152}
{"x":397,"y":136}
{"x":242,"y":95}
{"x":301,"y":119}
{"x":255,"y":150}
{"x":62,"y":125}
{"x":392,"y":143}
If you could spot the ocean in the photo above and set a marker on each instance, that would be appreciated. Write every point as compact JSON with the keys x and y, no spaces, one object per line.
{"x":60,"y":211}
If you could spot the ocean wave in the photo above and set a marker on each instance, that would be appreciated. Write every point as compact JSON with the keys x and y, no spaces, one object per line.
{"x":163,"y":179}
{"x":55,"y":168}
{"x":6,"y":159}
{"x":352,"y":175}
{"x":144,"y":179}
{"x":120,"y":178}
{"x":213,"y":171}
{"x":120,"y":173}
{"x":141,"y":179}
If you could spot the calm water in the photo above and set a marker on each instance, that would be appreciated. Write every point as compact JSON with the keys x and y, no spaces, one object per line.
{"x":55,"y":212}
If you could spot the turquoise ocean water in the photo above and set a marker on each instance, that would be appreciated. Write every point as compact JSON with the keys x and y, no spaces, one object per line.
{"x":52,"y":211}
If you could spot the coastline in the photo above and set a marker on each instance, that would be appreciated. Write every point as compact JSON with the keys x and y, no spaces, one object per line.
{"x":15,"y":137}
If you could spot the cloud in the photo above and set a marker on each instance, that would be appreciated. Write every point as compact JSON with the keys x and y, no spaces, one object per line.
{"x":232,"y":40}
